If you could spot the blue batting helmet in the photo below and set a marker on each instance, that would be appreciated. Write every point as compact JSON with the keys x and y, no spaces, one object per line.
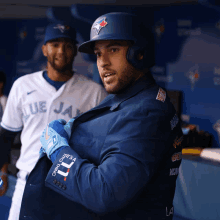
{"x":123,"y":26}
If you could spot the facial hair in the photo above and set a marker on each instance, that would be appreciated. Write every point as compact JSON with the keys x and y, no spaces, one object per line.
{"x":127,"y":78}
{"x":59,"y":69}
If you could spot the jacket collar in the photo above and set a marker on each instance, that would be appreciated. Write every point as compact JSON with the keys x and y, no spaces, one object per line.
{"x":114,"y":100}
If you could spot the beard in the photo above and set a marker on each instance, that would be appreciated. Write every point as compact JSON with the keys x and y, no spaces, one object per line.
{"x":60,"y":68}
{"x":127,"y":77}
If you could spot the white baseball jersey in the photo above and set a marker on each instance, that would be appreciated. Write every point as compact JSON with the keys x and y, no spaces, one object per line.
{"x":33,"y":103}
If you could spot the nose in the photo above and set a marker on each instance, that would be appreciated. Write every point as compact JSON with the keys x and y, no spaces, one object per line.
{"x":104,"y":60}
{"x":61,"y":48}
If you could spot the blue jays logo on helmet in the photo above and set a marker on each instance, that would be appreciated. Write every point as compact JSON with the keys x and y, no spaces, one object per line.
{"x":62,"y":28}
{"x":123,"y":26}
{"x":100,"y":24}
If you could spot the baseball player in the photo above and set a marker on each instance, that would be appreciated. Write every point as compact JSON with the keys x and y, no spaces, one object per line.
{"x":119,"y":160}
{"x":38,"y":98}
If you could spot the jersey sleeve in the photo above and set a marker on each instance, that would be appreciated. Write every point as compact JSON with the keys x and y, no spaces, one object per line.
{"x":12,"y":117}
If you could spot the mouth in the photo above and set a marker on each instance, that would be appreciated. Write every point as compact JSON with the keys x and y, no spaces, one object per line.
{"x":109,"y":77}
{"x":108,"y":74}
{"x":60,"y":58}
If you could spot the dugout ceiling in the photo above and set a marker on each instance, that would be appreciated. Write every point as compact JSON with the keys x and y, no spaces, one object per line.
{"x":37,"y":8}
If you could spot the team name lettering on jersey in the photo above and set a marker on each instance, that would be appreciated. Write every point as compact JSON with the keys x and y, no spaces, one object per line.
{"x":33,"y":109}
{"x":66,"y":111}
{"x":38,"y":106}
{"x":78,"y":112}
{"x":60,"y":108}
{"x":41,"y":107}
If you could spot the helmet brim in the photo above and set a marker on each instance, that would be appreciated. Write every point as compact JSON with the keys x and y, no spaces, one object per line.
{"x":88,"y":46}
{"x":60,"y":36}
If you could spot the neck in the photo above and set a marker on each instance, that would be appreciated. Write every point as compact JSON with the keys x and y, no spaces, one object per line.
{"x":58,"y":76}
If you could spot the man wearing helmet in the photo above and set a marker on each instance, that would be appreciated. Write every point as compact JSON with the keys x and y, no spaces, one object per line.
{"x":115,"y":71}
{"x":119,"y":160}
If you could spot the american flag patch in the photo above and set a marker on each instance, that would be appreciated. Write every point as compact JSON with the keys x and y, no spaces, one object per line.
{"x":161,"y":95}
{"x":174,"y":121}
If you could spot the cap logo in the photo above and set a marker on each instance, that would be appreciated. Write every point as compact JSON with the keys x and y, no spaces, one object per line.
{"x":62,"y":28}
{"x":100,"y":24}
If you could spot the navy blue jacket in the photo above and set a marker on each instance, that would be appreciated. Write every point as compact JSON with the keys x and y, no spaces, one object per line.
{"x":122,"y":162}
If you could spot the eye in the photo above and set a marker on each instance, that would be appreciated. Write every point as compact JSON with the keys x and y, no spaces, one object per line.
{"x":55,"y":44}
{"x":97,"y":54}
{"x":114,"y":50}
{"x":69,"y":46}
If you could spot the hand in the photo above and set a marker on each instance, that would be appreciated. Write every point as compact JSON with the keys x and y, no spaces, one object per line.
{"x":56,"y":135}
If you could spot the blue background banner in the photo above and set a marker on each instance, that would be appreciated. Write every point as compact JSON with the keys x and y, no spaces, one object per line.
{"x":189,"y":53}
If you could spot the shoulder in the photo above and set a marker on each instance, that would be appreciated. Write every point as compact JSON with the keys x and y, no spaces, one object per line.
{"x":154,"y":114}
{"x":152,"y":101}
{"x":156,"y":97}
{"x":81,"y":79}
{"x":28,"y":78}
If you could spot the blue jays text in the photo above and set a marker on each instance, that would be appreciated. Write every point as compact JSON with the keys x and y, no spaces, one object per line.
{"x":40,"y":107}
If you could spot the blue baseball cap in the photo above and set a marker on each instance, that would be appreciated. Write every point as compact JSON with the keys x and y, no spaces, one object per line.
{"x":59,"y":29}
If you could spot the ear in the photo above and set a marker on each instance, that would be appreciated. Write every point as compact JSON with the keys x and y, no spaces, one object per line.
{"x":44,"y":50}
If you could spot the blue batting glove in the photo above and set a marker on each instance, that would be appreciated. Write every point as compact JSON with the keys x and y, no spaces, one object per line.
{"x":1,"y":182}
{"x":55,"y":135}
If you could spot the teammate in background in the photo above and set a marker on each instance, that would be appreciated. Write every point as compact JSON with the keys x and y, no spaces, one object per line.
{"x":119,"y":160}
{"x":38,"y":98}
{"x":3,"y":100}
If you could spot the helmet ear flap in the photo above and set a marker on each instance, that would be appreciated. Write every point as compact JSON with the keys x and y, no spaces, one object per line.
{"x":133,"y":57}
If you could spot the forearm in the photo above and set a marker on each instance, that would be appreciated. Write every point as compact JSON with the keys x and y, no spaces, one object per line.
{"x":6,"y":140}
{"x":103,"y":188}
